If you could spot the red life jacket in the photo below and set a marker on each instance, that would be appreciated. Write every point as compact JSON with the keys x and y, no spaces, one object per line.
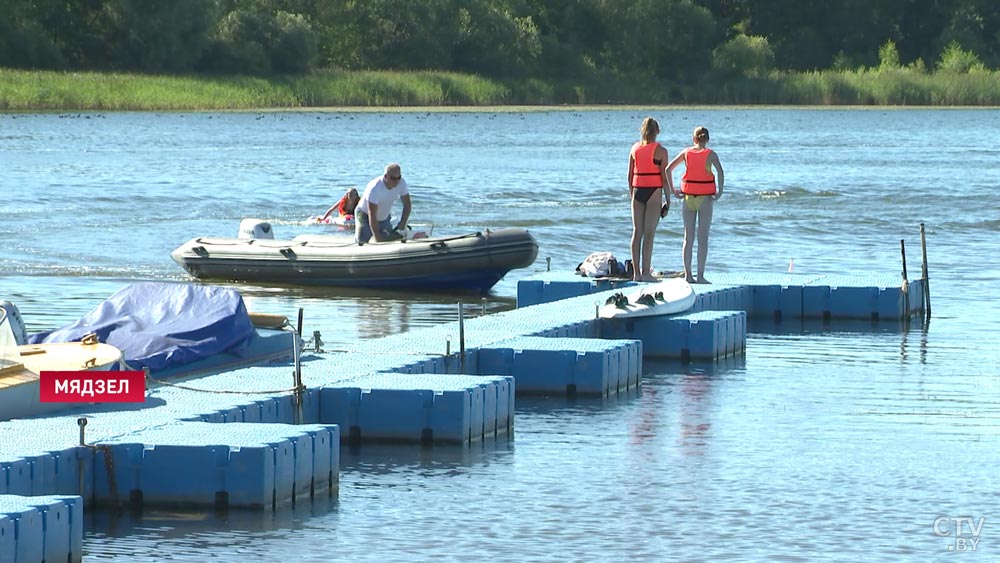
{"x":698,"y":177}
{"x":646,"y":173}
{"x":342,"y":206}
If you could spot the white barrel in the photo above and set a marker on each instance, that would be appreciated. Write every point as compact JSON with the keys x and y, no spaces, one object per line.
{"x":255,"y":228}
{"x":15,"y":322}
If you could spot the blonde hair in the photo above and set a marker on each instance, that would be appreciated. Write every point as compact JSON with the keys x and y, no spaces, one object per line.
{"x":701,"y":134}
{"x":649,"y":129}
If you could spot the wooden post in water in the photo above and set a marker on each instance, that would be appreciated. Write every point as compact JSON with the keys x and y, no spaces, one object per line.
{"x":923,"y":272}
{"x":906,"y":283}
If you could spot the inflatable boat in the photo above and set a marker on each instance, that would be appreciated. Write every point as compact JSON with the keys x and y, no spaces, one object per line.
{"x":473,"y":261}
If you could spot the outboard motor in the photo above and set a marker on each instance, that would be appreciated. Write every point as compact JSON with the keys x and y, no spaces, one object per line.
{"x":255,"y":228}
{"x":16,"y":322}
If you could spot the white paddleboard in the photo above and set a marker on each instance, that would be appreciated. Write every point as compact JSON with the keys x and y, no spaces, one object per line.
{"x":662,"y":298}
{"x":345,"y":222}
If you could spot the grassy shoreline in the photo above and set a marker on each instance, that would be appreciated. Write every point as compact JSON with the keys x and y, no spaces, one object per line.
{"x":378,"y":90}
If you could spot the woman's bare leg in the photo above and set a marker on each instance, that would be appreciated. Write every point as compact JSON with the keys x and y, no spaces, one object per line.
{"x":651,"y":220}
{"x":638,"y":226}
{"x":689,"y":236}
{"x":704,"y":225}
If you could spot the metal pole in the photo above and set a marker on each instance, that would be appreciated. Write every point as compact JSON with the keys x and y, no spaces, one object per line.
{"x":548,"y":263}
{"x":82,"y":423}
{"x":297,"y":356}
{"x":906,"y":283}
{"x":927,"y":281}
{"x":597,"y":319}
{"x":461,"y":337}
{"x":296,"y":353}
{"x":484,"y":305}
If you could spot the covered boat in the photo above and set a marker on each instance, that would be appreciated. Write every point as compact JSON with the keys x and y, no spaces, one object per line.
{"x":171,"y":330}
{"x":473,"y":261}
{"x":21,"y":364}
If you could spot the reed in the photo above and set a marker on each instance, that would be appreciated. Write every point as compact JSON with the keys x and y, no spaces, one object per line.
{"x":900,"y":86}
{"x":82,"y":91}
{"x":46,"y":90}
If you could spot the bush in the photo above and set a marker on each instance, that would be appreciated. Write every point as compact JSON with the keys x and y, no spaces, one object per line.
{"x":888,"y":56}
{"x":294,"y":49}
{"x":956,"y":60}
{"x":744,"y":55}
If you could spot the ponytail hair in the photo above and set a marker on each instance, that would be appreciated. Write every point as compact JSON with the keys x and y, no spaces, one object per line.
{"x":701,"y":134}
{"x":649,"y":129}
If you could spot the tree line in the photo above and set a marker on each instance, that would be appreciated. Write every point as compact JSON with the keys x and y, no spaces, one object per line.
{"x":682,"y":41}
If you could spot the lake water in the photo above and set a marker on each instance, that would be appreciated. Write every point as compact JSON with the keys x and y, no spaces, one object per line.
{"x":839,"y":442}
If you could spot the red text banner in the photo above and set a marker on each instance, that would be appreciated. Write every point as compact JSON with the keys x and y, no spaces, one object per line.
{"x":92,"y":386}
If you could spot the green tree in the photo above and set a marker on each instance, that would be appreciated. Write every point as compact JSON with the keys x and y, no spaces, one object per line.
{"x":24,"y":43}
{"x":888,"y":56}
{"x":259,"y":41}
{"x":956,"y":60}
{"x":387,"y":34}
{"x":968,"y":28}
{"x":293,"y":48}
{"x":670,"y":40}
{"x":494,"y":40}
{"x":743,"y":56}
{"x":158,"y":35}
{"x":572,"y":36}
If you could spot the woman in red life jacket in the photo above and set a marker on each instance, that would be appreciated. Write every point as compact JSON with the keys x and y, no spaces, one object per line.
{"x":699,"y":188}
{"x":646,"y":179}
{"x":344,"y":207}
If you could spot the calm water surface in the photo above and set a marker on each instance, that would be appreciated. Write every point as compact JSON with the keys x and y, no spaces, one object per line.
{"x":837,"y":442}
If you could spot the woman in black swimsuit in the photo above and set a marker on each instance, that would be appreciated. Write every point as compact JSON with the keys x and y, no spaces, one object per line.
{"x":646,"y":179}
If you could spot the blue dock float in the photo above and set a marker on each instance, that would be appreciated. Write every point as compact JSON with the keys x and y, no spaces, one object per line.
{"x":567,"y":366}
{"x":243,"y":439}
{"x":424,"y":408}
{"x":706,"y":335}
{"x":877,"y":297}
{"x":222,"y":465}
{"x":41,"y":528}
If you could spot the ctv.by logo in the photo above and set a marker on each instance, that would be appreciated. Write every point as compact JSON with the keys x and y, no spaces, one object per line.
{"x":964,"y":531}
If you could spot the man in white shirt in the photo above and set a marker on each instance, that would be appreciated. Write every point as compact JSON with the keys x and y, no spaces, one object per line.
{"x":376,"y":202}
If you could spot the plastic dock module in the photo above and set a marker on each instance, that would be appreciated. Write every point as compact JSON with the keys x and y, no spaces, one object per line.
{"x":707,"y":335}
{"x":42,"y":528}
{"x":770,"y":296}
{"x":565,"y":366}
{"x":265,"y":444}
{"x":554,"y":286}
{"x":421,"y":408}
{"x":221,"y":465}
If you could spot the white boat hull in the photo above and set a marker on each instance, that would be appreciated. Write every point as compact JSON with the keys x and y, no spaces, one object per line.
{"x":474,"y":261}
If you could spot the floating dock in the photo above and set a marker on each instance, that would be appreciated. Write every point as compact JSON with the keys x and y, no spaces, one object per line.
{"x":244,"y":439}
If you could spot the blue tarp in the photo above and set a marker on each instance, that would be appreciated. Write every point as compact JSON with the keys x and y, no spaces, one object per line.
{"x":160,"y":325}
